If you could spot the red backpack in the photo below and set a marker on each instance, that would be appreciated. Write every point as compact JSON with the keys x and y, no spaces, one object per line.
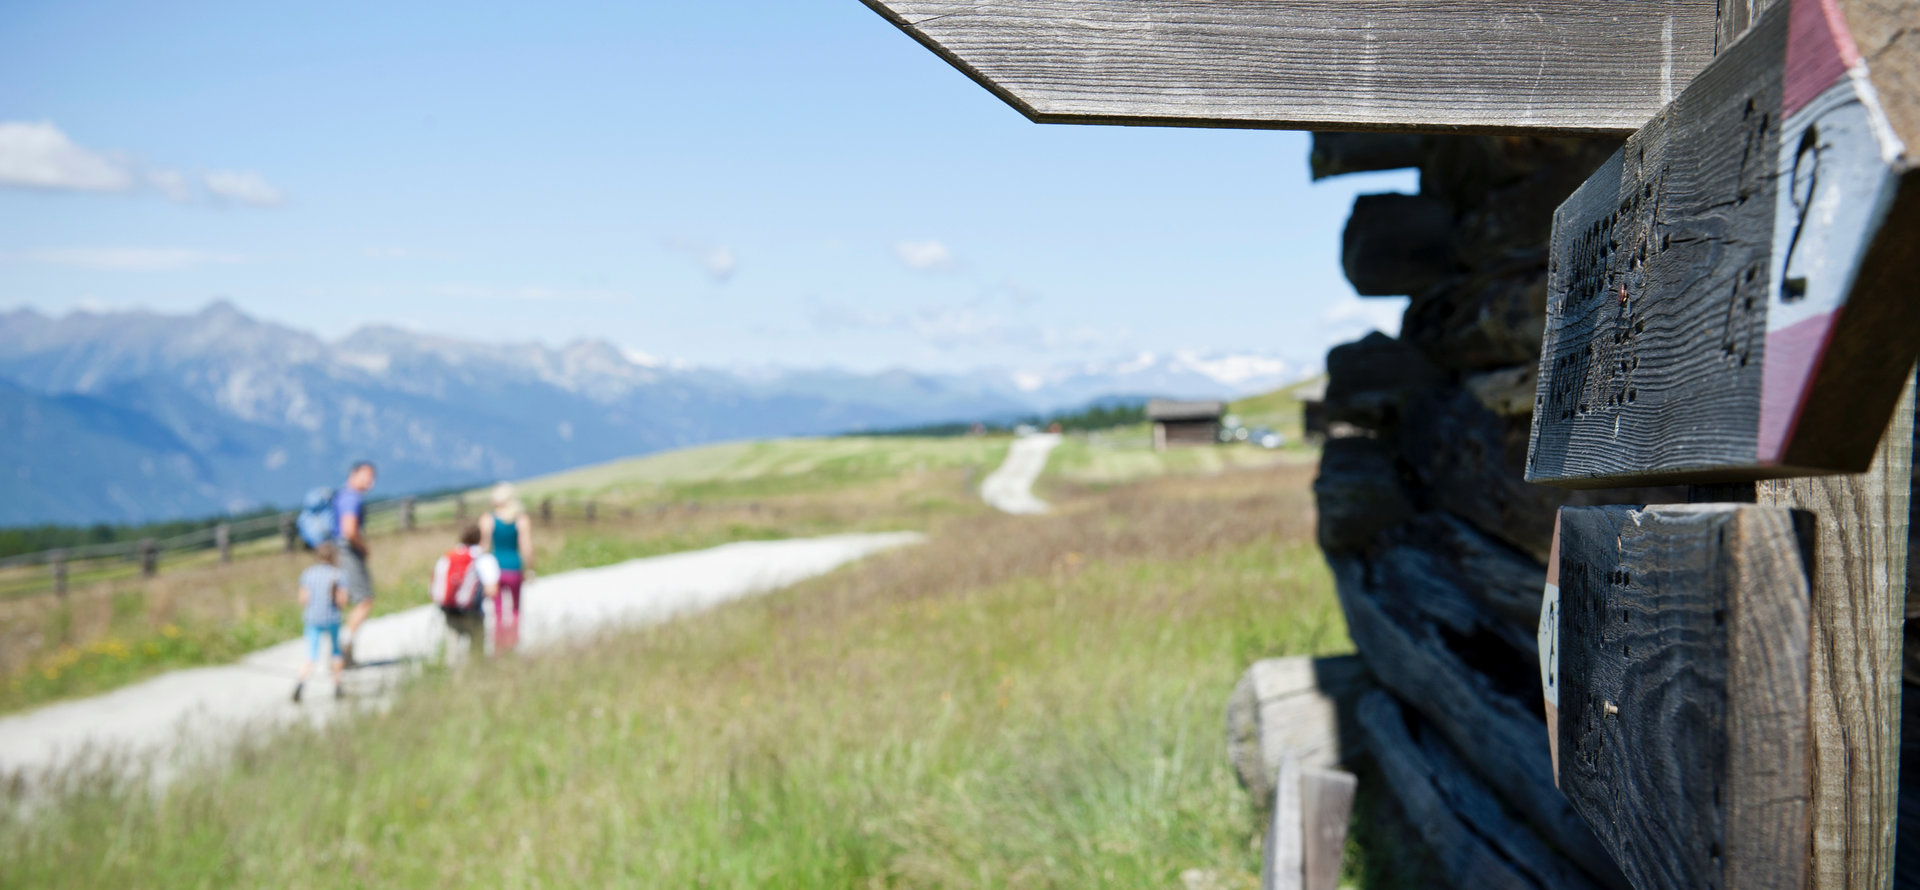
{"x":453,"y":583}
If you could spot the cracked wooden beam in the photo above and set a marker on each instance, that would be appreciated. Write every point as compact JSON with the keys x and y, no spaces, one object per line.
{"x":1566,"y":66}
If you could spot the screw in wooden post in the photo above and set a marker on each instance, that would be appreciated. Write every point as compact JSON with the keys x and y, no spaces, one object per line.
{"x":223,"y":540}
{"x":149,"y":558}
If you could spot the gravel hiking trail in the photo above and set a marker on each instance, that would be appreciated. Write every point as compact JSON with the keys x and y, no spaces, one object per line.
{"x":1010,"y":488}
{"x":180,"y":717}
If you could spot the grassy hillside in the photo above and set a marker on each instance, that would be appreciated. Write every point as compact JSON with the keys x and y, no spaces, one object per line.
{"x":770,"y":467}
{"x":113,"y":632}
{"x":1279,"y":409}
{"x":1020,"y":702}
{"x":1127,"y":455}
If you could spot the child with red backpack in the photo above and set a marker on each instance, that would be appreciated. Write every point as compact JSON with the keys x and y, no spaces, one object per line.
{"x":463,"y":580}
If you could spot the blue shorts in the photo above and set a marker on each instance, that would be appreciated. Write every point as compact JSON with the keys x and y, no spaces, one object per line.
{"x":315,"y":632}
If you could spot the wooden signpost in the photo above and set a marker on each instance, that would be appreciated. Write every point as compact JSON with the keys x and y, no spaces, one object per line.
{"x":1732,"y":298}
{"x":1732,"y":295}
{"x":1570,"y":66}
{"x":1734,"y":302}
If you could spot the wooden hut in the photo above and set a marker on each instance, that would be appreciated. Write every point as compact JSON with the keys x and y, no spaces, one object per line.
{"x":1184,"y":423}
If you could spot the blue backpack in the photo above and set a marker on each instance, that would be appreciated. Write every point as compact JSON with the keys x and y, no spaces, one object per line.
{"x":316,"y":520}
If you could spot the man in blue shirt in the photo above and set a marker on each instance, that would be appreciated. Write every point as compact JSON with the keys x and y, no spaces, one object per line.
{"x":349,"y":529}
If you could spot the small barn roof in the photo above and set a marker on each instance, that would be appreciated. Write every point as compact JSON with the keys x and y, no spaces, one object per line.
{"x":1168,"y":409}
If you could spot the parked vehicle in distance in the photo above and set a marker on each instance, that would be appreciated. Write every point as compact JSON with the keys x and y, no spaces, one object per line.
{"x":1265,"y":437}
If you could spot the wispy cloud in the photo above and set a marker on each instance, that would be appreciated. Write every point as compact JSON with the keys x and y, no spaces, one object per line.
{"x":138,"y":259}
{"x":1350,"y":318}
{"x":925,"y":256}
{"x":959,"y":327}
{"x":172,"y":184}
{"x":526,"y":293}
{"x":717,"y":260}
{"x":398,"y":253}
{"x":38,"y":155}
{"x":1019,"y":293}
{"x":242,"y":187}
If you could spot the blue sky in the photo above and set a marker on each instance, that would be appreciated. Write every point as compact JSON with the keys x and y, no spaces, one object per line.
{"x":792,"y":183}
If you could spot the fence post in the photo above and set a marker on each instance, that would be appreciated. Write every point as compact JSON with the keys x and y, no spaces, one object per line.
{"x":286,"y":532}
{"x":460,"y":509}
{"x":149,"y":558}
{"x":590,"y":511}
{"x":546,"y":510}
{"x":223,"y":539}
{"x":406,"y":514}
{"x":59,"y":558}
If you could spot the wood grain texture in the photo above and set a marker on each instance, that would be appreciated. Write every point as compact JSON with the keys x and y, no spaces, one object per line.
{"x":1285,"y":862}
{"x":1685,"y":639}
{"x":1405,"y":617}
{"x":1326,"y":808}
{"x":1573,"y":66}
{"x":1888,"y":41}
{"x":1478,"y":843}
{"x":1300,"y":705}
{"x":1729,"y":295}
{"x":1858,"y":609}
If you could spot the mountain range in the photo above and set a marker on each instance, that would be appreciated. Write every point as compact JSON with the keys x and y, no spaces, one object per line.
{"x":137,"y":416}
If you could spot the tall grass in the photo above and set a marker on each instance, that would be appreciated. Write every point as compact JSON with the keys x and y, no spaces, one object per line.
{"x":1017,"y":703}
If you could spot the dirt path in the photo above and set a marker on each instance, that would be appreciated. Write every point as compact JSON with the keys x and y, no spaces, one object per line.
{"x":200,"y":712}
{"x":1010,"y":488}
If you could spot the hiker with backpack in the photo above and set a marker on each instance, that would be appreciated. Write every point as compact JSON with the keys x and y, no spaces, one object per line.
{"x":321,"y":597}
{"x":507,"y":535}
{"x":350,"y":535}
{"x":463,"y":580}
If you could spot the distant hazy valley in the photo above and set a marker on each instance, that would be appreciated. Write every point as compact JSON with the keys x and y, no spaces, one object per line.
{"x":134,"y":416}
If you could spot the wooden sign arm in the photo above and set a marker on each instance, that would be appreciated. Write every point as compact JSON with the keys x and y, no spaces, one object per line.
{"x":1566,"y":66}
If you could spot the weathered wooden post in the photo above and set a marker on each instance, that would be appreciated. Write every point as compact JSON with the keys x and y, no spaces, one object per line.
{"x":546,"y":511}
{"x":59,"y":560}
{"x":459,"y":509}
{"x":591,"y":510}
{"x":407,"y":521}
{"x":223,"y":541}
{"x":149,"y":558}
{"x":289,"y":538}
{"x":1731,"y":299}
{"x":1683,"y":687}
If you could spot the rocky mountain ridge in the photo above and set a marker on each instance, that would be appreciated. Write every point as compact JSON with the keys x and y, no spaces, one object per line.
{"x":133,"y":416}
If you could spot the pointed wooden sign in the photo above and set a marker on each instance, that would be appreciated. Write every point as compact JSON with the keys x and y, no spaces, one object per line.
{"x":1684,"y":688}
{"x":1733,"y":295}
{"x":1571,"y":66}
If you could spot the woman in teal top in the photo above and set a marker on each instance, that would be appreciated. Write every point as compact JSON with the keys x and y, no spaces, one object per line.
{"x":509,"y":537}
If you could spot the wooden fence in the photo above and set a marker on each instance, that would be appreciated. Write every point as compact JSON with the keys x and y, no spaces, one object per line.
{"x":55,"y":572}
